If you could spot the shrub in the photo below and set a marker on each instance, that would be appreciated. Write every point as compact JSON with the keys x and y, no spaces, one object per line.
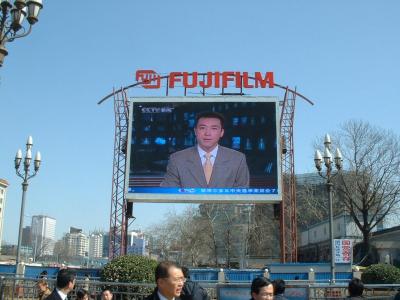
{"x":130,"y":268}
{"x":381,"y":273}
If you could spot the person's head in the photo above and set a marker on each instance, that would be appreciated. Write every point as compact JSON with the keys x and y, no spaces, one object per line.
{"x":169,"y":279}
{"x":42,"y":285}
{"x":356,"y":287}
{"x":66,"y":279}
{"x":106,"y":294}
{"x":209,"y":129}
{"x":82,"y":294}
{"x":279,"y":286}
{"x":185,"y":272}
{"x":262,"y":289}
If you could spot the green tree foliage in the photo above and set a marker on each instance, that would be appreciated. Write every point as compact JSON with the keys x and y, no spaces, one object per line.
{"x":381,"y":273}
{"x":129,"y":268}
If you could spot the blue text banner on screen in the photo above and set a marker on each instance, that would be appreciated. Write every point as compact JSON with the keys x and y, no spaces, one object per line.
{"x":201,"y":191}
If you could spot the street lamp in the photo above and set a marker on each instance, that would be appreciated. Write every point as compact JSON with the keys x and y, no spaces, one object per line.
{"x":25,"y":175}
{"x":12,"y":18}
{"x":328,"y":176}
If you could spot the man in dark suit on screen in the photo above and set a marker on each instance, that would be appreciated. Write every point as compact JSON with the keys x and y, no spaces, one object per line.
{"x":65,"y":283}
{"x":207,"y":165}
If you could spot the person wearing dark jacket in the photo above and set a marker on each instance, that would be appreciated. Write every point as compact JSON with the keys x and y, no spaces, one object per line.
{"x":261,"y":289}
{"x":65,"y":283}
{"x":169,"y":280}
{"x":356,"y":289}
{"x":397,"y":296}
{"x":192,"y":290}
{"x":279,"y":289}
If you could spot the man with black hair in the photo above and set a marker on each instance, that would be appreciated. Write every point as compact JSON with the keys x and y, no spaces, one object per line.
{"x":192,"y":290}
{"x":356,"y":289}
{"x":43,"y":274}
{"x":65,"y":283}
{"x":207,"y":165}
{"x":106,"y":294}
{"x":82,"y":294}
{"x":169,"y":280}
{"x":261,"y":289}
{"x":279,"y":289}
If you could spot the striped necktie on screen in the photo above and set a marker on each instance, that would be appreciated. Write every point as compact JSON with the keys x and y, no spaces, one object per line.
{"x":208,"y":167}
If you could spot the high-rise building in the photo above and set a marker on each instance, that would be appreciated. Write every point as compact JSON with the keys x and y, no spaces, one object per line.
{"x":106,"y":241}
{"x":76,"y":242}
{"x":95,"y":245}
{"x":43,"y":235}
{"x":136,"y":243}
{"x":3,"y":191}
{"x":26,"y":237}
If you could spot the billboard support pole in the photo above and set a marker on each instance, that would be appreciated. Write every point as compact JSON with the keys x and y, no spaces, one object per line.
{"x":288,"y":221}
{"x":118,"y":216}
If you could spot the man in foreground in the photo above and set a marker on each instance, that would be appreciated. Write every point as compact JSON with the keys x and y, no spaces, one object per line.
{"x":169,"y":280}
{"x":65,"y":283}
{"x":262,"y":289}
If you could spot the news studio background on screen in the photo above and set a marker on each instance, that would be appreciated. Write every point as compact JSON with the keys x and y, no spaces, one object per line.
{"x":159,"y":127}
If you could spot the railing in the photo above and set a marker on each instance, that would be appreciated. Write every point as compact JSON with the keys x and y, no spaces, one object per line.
{"x":26,"y":288}
{"x":13,"y":288}
{"x":339,"y":291}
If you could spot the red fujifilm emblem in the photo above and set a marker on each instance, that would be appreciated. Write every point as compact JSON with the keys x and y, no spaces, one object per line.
{"x":152,"y":80}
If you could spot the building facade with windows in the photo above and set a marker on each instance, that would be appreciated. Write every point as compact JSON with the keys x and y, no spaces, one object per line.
{"x":136,"y":243}
{"x":3,"y":192}
{"x":96,"y":245}
{"x":43,"y":235}
{"x":314,"y":244}
{"x":76,"y":242}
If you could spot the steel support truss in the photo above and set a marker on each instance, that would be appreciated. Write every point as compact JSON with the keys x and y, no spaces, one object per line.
{"x":288,"y":205}
{"x":119,"y":219}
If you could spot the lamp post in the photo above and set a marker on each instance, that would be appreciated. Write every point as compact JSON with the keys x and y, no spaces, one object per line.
{"x":12,"y":19}
{"x":328,"y":176}
{"x":25,"y":175}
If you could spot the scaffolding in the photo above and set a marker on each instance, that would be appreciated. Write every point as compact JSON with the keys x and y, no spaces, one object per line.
{"x":120,"y":216}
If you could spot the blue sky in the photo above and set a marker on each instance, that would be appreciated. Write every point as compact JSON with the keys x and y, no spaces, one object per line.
{"x":343,"y":55}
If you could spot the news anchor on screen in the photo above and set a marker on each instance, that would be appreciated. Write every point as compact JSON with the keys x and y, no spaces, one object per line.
{"x":207,"y":164}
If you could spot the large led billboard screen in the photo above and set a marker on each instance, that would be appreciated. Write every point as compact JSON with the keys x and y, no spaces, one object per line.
{"x":204,"y":149}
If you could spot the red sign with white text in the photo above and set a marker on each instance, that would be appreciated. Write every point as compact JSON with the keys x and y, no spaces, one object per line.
{"x":343,"y":251}
{"x":152,"y":80}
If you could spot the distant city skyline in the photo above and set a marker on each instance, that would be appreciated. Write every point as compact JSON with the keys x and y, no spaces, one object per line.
{"x":62,"y":233}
